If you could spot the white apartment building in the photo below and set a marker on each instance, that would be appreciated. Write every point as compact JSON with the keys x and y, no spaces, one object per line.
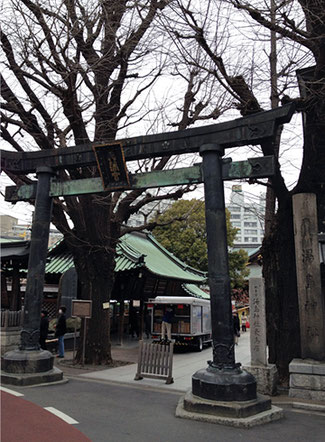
{"x":248,"y":217}
{"x":9,"y":227}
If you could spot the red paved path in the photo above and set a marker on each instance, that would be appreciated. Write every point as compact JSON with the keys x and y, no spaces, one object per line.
{"x":22,"y":420}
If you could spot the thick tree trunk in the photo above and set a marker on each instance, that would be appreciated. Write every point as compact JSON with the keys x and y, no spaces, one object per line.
{"x":278,"y":247}
{"x":97,"y":280}
{"x":279,"y":271}
{"x":93,"y":244}
{"x":312,"y":88}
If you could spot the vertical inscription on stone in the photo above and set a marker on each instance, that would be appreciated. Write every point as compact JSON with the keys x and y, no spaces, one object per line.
{"x":257,"y":321}
{"x":311,"y":304}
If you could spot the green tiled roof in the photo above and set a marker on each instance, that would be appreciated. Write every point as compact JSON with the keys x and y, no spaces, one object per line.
{"x":133,"y":251}
{"x":14,"y":248}
{"x":250,"y":251}
{"x":159,"y":261}
{"x":59,"y":263}
{"x":195,"y":291}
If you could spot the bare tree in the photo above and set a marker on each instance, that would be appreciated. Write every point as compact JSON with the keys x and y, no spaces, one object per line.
{"x":77,"y":72}
{"x":300,"y":28}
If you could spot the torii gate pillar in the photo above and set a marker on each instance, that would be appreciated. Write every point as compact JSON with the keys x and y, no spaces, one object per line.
{"x":29,"y":364}
{"x":223,"y":392}
{"x":223,"y":380}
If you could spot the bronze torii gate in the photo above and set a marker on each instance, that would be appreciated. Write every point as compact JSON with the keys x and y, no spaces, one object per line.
{"x":223,"y":379}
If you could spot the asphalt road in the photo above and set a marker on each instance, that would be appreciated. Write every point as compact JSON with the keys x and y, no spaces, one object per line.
{"x":117,"y":413}
{"x":23,"y":420}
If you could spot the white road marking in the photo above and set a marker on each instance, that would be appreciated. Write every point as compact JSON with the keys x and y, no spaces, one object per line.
{"x":14,"y":393}
{"x":61,"y":415}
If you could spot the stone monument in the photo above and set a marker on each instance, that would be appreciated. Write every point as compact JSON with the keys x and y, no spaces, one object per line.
{"x":307,"y":375}
{"x":266,"y":374}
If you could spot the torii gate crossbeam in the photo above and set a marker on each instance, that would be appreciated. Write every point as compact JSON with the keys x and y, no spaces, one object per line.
{"x":254,"y":129}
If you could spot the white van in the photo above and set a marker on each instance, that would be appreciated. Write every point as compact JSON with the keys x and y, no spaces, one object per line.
{"x":191,"y":325}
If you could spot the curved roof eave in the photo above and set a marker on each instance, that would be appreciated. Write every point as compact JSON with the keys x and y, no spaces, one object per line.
{"x":136,"y":250}
{"x":160,"y":261}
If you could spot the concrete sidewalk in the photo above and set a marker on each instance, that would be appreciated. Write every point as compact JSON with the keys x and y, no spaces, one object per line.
{"x":184,"y":366}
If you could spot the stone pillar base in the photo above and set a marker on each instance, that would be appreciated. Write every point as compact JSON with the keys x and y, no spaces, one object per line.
{"x":21,"y":367}
{"x":236,"y":414}
{"x":26,"y":379}
{"x":23,"y":361}
{"x":266,"y":378}
{"x":224,"y":384}
{"x":307,"y":379}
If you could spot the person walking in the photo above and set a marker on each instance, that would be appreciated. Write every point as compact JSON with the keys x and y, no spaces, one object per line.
{"x":44,"y":329}
{"x":243,"y":322}
{"x":236,"y":324}
{"x":61,"y":328}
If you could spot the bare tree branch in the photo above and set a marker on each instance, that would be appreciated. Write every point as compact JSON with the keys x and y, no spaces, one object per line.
{"x":259,"y":18}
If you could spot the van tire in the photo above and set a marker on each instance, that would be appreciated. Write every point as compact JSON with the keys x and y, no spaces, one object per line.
{"x":199,"y":344}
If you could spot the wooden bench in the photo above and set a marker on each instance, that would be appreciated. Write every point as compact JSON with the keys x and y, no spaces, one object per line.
{"x":155,"y":360}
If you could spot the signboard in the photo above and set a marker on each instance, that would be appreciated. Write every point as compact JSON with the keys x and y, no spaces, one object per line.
{"x":82,"y":309}
{"x":112,"y":167}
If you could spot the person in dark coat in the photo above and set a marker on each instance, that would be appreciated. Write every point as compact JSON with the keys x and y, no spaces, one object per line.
{"x":236,"y":324}
{"x":44,"y":329}
{"x":147,"y":324}
{"x":134,"y":322}
{"x":61,"y":329}
{"x":166,"y":325}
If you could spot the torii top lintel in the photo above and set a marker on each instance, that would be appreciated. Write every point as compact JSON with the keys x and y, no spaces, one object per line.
{"x":253,"y":129}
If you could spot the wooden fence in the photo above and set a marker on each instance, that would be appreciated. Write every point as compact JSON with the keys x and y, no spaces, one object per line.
{"x":155,"y":361}
{"x":11,"y":318}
